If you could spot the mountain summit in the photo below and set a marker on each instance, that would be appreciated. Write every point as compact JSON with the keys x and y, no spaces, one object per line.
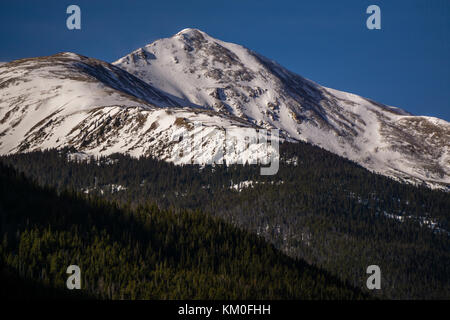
{"x":231,"y":79}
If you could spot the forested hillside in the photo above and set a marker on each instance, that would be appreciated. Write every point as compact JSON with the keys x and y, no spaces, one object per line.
{"x":319,"y":207}
{"x":140,"y":253}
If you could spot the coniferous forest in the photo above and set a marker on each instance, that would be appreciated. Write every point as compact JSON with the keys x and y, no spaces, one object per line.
{"x":141,"y":253}
{"x":144,"y":228}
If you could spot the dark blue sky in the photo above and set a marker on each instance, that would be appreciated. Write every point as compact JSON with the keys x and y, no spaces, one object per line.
{"x":405,"y":64}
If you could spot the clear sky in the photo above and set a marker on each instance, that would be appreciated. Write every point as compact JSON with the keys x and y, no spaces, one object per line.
{"x":405,"y":64}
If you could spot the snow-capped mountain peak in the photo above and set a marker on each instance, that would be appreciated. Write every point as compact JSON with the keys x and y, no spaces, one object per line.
{"x":139,"y":102}
{"x":204,"y":72}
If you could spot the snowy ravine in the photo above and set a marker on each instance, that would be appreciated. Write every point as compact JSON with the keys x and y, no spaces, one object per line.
{"x":140,"y":102}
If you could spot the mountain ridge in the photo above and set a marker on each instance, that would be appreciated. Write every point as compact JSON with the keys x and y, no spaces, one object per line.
{"x":71,"y":100}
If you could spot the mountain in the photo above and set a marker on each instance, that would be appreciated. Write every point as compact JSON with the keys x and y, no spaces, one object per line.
{"x":228,"y":78}
{"x":71,"y":100}
{"x":147,"y":102}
